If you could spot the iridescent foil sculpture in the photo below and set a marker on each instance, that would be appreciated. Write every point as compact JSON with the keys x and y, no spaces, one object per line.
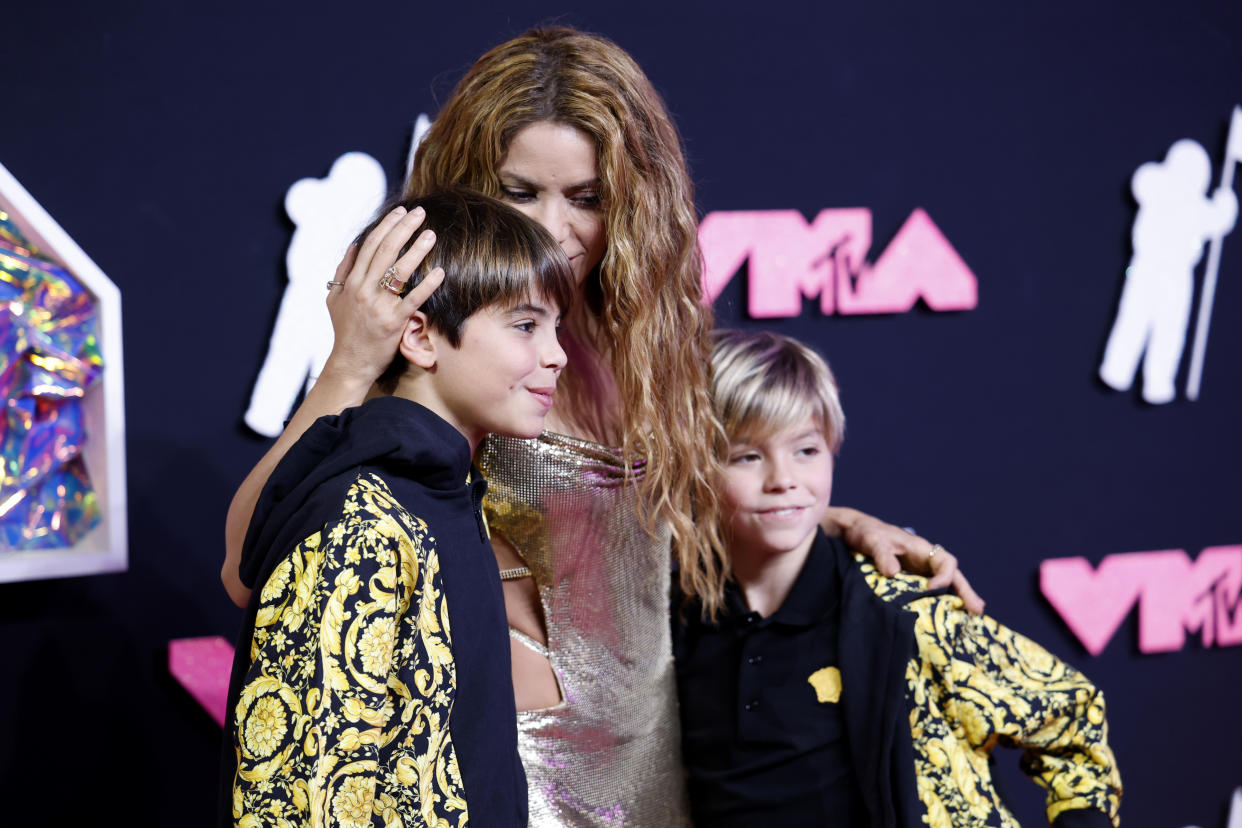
{"x":49,"y":355}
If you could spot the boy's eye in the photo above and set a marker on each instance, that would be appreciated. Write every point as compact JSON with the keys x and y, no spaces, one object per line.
{"x":527,"y":326}
{"x":745,"y":457}
{"x":809,"y":451}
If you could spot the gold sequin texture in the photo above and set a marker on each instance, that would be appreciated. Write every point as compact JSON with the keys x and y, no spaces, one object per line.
{"x":610,"y":753}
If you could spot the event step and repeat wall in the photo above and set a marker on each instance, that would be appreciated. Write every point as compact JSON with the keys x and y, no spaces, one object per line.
{"x":1013,"y":234}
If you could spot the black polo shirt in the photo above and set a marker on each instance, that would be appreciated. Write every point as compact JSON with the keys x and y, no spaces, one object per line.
{"x":763,"y":733}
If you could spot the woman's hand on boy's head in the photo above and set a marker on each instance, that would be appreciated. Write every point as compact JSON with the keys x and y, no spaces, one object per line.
{"x":893,"y":549}
{"x":367,"y":318}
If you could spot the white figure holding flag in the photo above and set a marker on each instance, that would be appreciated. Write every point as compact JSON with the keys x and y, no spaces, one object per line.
{"x":1233,"y":154}
{"x":1175,"y":218}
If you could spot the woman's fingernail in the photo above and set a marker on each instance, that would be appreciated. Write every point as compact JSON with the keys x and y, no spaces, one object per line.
{"x":418,"y":211}
{"x":399,"y":211}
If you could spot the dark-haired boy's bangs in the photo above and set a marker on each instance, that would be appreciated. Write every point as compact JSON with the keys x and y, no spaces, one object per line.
{"x":491,"y":255}
{"x":531,"y":264}
{"x":515,"y":268}
{"x":554,"y":280}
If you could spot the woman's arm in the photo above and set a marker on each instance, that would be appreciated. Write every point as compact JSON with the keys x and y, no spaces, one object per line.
{"x":892,"y":549}
{"x":367,"y":321}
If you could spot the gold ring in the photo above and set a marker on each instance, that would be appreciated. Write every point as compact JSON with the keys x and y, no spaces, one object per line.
{"x":389,"y":281}
{"x":935,"y":548}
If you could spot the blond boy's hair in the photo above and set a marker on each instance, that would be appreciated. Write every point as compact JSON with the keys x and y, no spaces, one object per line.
{"x":763,"y":382}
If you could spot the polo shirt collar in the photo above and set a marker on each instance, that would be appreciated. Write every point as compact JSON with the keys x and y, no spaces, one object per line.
{"x":814,"y":595}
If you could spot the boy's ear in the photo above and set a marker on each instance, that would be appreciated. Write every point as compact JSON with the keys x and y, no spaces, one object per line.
{"x":416,"y":344}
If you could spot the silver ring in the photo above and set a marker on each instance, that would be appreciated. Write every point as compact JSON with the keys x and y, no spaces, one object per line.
{"x":935,"y":548}
{"x":335,"y":283}
{"x":389,"y":281}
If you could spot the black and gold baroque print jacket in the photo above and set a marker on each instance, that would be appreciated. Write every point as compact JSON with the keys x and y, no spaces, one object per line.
{"x":972,"y":684}
{"x":926,"y":692}
{"x":371,"y":686}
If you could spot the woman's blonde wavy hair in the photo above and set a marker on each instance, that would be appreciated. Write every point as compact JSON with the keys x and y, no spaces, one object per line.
{"x":646,"y":298}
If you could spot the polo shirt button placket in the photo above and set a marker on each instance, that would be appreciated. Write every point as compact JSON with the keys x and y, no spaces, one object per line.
{"x":748,"y":728}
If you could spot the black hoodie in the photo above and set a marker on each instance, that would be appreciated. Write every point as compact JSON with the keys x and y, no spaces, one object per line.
{"x":367,"y":504}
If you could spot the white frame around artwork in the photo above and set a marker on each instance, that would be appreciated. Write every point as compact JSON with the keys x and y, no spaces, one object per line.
{"x":106,"y":547}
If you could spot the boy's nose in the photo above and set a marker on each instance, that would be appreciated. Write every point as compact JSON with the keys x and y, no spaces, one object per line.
{"x":554,"y":355}
{"x":779,"y":478}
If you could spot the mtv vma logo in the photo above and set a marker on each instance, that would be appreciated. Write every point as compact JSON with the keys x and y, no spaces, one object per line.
{"x":1175,"y":218}
{"x":791,"y":259}
{"x":1174,"y":596}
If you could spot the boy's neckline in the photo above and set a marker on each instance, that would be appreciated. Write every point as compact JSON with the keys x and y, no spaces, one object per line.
{"x":781,"y":572}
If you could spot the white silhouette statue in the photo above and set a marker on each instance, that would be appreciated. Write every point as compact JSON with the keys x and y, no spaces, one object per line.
{"x":327,"y":214}
{"x":1175,"y":218}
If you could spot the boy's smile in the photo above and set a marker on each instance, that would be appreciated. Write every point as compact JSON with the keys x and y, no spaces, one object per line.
{"x":777,"y":490}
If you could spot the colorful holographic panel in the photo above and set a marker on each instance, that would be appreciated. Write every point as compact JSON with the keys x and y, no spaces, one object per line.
{"x":10,"y":234}
{"x":49,"y":356}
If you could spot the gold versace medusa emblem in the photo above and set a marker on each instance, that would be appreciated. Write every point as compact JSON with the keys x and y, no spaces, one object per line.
{"x":827,"y":684}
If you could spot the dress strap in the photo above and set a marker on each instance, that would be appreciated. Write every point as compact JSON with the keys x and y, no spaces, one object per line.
{"x":530,"y":643}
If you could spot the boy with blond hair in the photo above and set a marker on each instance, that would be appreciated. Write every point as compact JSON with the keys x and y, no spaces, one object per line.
{"x":826,"y":694}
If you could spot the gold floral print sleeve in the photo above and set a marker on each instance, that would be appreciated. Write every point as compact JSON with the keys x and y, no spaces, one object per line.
{"x":343,"y":718}
{"x":974,"y":684}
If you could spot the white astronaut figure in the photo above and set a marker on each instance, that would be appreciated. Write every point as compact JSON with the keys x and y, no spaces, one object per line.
{"x":328,"y":213}
{"x":1175,"y":218}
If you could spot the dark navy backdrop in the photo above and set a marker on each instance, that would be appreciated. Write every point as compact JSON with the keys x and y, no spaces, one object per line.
{"x":164,"y":141}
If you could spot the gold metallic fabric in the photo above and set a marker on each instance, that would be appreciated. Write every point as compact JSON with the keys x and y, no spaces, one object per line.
{"x":610,"y":753}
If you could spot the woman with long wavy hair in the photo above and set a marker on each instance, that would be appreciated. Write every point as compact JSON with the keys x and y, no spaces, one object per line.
{"x":566,"y":127}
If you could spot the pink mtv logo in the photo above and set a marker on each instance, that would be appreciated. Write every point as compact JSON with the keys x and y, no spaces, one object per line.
{"x":1174,"y":596}
{"x":791,"y":259}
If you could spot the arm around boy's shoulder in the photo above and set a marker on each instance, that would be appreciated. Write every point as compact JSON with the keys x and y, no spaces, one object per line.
{"x":293,"y":478}
{"x":311,"y":478}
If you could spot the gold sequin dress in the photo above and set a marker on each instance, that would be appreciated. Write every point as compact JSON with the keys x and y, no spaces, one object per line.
{"x":610,"y":753}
